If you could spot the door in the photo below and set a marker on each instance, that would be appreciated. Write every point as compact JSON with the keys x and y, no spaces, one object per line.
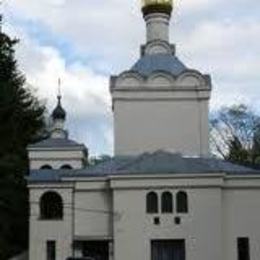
{"x":98,"y":250}
{"x":168,"y":249}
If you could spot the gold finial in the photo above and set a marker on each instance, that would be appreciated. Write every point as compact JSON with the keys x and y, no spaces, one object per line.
{"x":155,"y":2}
{"x":157,"y":6}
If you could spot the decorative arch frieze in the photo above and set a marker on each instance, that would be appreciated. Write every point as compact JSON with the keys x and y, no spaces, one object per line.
{"x":160,"y":79}
{"x":129,"y":79}
{"x":191,"y":78}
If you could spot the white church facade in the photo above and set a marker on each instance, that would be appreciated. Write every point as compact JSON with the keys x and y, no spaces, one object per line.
{"x":161,"y":197}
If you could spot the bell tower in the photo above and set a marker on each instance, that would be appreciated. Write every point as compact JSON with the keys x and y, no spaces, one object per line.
{"x":160,"y":103}
{"x":57,"y":151}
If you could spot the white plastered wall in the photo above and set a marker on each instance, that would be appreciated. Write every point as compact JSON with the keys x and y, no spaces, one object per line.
{"x":93,"y":211}
{"x":201,"y":227}
{"x":221,"y":209}
{"x":56,"y":158}
{"x":161,"y":112}
{"x":242,"y":219}
{"x":41,"y":231}
{"x":147,"y":126}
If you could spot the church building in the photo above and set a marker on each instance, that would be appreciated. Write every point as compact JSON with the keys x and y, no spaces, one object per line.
{"x":161,"y":196}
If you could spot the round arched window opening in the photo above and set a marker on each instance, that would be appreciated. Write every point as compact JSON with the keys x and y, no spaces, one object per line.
{"x":46,"y":167}
{"x":182,"y":202}
{"x":51,"y":206}
{"x":167,"y":202}
{"x":66,"y":167}
{"x":152,"y":203}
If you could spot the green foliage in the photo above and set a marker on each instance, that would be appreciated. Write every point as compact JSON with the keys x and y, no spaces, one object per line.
{"x":235,"y":135}
{"x":21,"y":123}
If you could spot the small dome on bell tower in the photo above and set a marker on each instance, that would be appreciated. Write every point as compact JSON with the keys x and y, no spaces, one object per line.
{"x":58,"y":118}
{"x":59,"y":112}
{"x":157,"y":6}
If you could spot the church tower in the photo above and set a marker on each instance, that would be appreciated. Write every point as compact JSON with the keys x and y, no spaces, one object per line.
{"x":57,"y":151}
{"x":160,"y":104}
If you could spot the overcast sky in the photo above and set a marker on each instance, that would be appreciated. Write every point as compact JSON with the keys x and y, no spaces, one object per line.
{"x":85,"y":41}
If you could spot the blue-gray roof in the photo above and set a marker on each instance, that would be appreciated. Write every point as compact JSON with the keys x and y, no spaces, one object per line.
{"x":159,"y":162}
{"x":159,"y":62}
{"x":56,"y":143}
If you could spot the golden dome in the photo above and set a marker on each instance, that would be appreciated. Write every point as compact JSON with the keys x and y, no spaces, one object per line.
{"x":155,"y":2}
{"x":157,"y":6}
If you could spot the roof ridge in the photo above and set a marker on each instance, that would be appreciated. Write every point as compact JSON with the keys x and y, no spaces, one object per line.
{"x":149,"y":156}
{"x":135,"y":160}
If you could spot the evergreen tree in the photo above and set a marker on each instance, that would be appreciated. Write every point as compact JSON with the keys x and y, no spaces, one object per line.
{"x":21,"y":123}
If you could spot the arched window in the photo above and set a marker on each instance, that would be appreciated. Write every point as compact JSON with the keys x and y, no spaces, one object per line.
{"x":151,"y":202}
{"x":51,"y":206}
{"x":182,"y":202}
{"x":167,"y":202}
{"x":46,"y":167}
{"x":66,"y":167}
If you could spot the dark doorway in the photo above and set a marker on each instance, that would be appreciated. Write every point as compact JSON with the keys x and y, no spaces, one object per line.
{"x":168,"y":249}
{"x":243,"y":248}
{"x":97,"y":250}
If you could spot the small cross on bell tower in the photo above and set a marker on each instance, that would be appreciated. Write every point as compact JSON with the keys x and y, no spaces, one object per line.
{"x":58,"y":117}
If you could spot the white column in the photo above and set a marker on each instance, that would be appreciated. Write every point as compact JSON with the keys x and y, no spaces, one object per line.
{"x":157,"y":27}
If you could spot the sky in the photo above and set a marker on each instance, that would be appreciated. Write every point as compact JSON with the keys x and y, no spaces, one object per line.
{"x":83,"y":42}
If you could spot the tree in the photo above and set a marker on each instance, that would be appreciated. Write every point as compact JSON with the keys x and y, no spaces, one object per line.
{"x":21,"y":123}
{"x":235,"y":135}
